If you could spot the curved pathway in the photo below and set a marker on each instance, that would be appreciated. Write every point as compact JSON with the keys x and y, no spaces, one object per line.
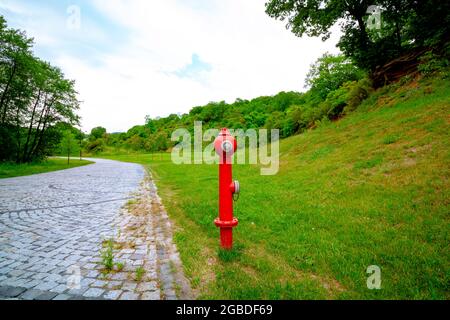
{"x":53,"y":228}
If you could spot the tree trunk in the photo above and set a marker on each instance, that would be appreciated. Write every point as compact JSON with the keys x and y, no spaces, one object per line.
{"x":3,"y":99}
{"x":30,"y":128}
{"x":41,"y":134}
{"x":69,"y":151}
{"x":399,"y":36}
{"x":364,"y":36}
{"x":18,"y":135}
{"x":41,"y":117}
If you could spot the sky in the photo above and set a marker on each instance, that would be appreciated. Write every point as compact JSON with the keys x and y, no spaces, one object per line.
{"x":136,"y":58}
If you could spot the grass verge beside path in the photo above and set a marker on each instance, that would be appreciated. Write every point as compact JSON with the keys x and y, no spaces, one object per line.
{"x":370,"y":189}
{"x":10,"y":170}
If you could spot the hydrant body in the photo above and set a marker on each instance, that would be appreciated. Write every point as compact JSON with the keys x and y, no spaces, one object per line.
{"x":226,"y":146}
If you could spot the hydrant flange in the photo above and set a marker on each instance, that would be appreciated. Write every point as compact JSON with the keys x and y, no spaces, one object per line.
{"x":226,"y":224}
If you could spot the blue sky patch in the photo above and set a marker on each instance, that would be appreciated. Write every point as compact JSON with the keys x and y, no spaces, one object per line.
{"x":48,"y":22}
{"x":195,"y":69}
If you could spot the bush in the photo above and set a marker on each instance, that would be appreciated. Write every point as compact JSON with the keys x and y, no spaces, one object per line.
{"x":431,"y":64}
{"x":322,"y":122}
{"x":358,"y":91}
{"x":335,"y":103}
{"x":95,"y":146}
{"x":347,"y":98}
{"x":330,"y":72}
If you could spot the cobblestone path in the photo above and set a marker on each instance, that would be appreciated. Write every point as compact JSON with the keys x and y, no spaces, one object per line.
{"x":55,"y":226}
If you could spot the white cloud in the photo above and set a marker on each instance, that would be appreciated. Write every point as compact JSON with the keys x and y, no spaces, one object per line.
{"x":250,"y":55}
{"x":12,"y":7}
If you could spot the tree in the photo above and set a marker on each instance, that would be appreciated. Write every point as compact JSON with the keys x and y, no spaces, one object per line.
{"x":141,"y":131}
{"x":331,"y":72}
{"x":406,"y":25}
{"x":97,"y":133}
{"x":429,"y":22}
{"x":34,"y":97}
{"x":80,"y":136}
{"x":69,"y":144}
{"x":316,"y":17}
{"x":136,"y":143}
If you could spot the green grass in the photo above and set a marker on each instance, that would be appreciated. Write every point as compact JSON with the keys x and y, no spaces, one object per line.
{"x":107,"y":255}
{"x":139,"y":274}
{"x":10,"y":170}
{"x":370,"y":189}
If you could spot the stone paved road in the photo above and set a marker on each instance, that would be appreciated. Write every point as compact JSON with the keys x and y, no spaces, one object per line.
{"x":53,"y":228}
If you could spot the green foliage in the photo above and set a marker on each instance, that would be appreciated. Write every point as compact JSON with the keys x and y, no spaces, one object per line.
{"x":139,"y":273}
{"x":95,"y":146}
{"x":405,"y":25}
{"x":69,"y":145}
{"x":428,"y":22}
{"x":97,"y":133}
{"x":357,"y":93}
{"x":432,"y":63}
{"x":155,"y":135}
{"x":34,"y":98}
{"x":347,"y":98}
{"x":107,"y":255}
{"x":330,"y":72}
{"x":120,"y":266}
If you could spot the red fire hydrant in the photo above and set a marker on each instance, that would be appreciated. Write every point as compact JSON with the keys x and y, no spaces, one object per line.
{"x":226,"y":146}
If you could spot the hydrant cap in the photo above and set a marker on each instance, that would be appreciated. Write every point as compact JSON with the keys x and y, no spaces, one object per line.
{"x":225,"y":143}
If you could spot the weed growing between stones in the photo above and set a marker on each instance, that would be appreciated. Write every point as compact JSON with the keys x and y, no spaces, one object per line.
{"x":139,"y":274}
{"x":107,"y":256}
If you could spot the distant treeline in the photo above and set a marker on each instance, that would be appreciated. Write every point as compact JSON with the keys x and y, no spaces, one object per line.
{"x":35,"y":100}
{"x":336,"y":87}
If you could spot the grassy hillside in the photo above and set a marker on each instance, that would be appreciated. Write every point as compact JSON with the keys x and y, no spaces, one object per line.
{"x":9,"y":170}
{"x":370,"y":189}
